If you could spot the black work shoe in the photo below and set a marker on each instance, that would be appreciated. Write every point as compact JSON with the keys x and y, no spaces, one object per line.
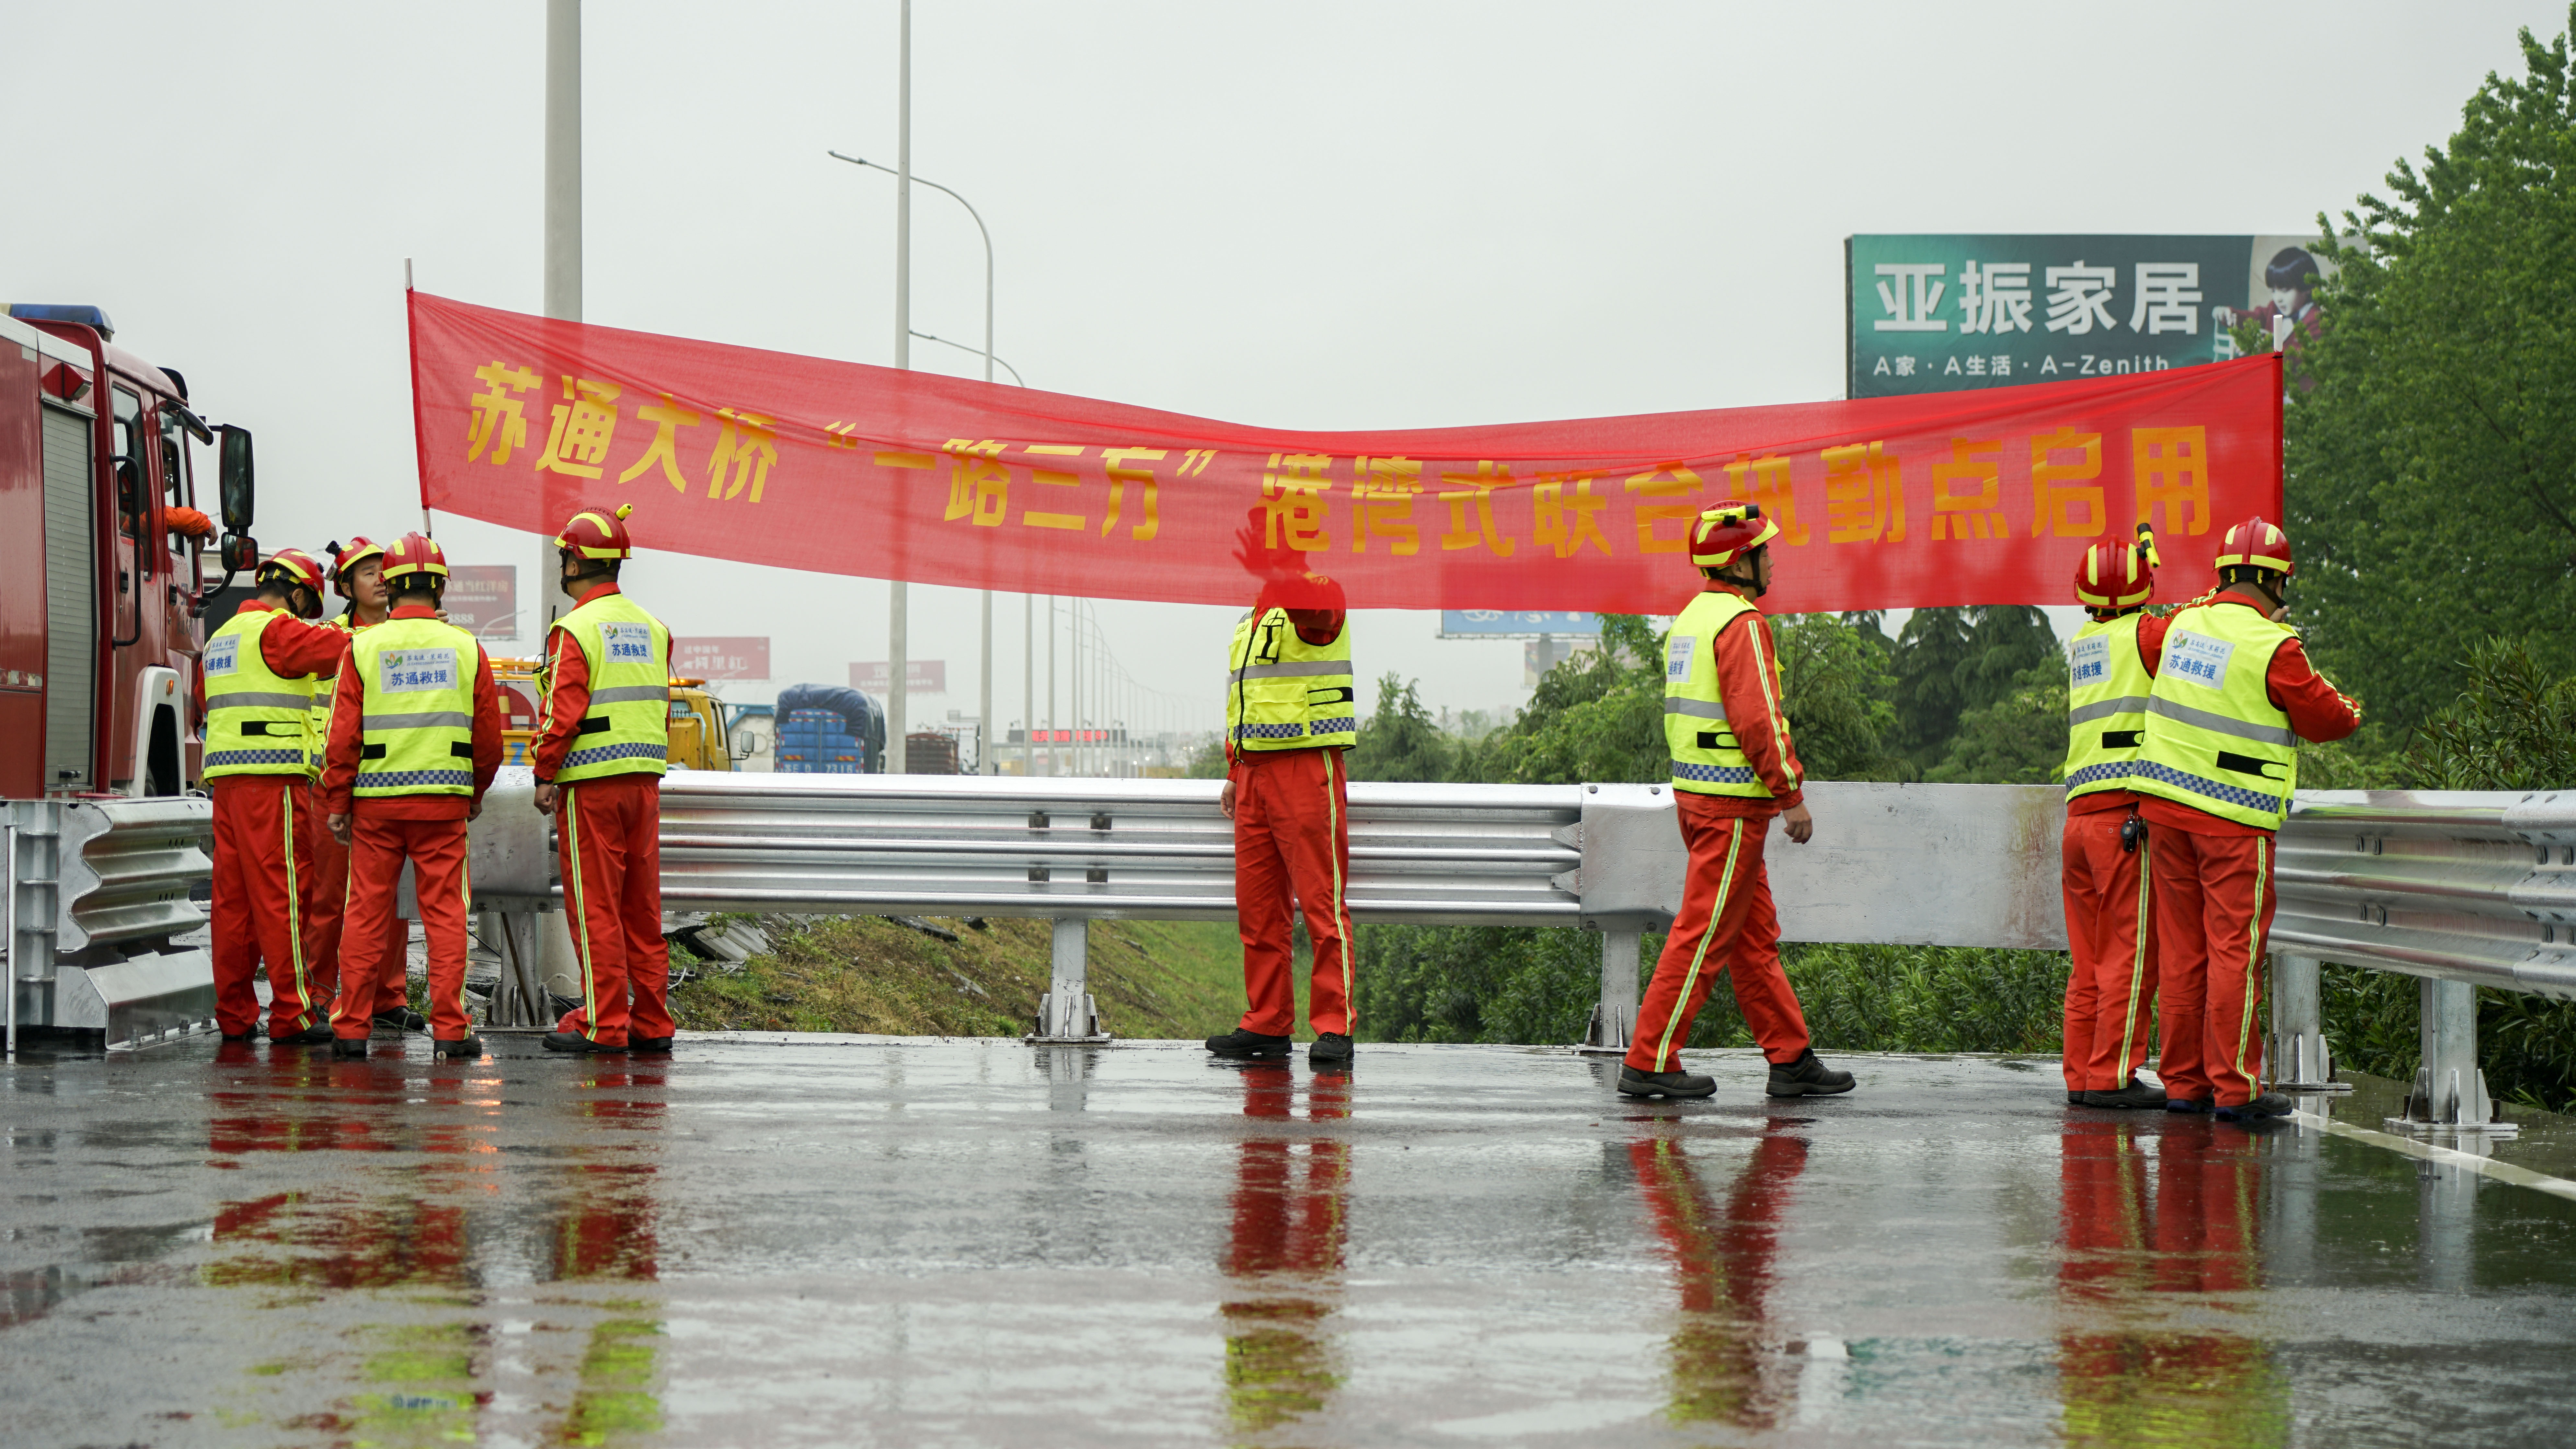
{"x":1331,"y":1049}
{"x":2185,"y":1104}
{"x":468,"y":1047}
{"x":252,"y":1035}
{"x":1634,"y":1083}
{"x":573,"y":1041}
{"x":310,"y":1036}
{"x":1248,"y":1044}
{"x":649,"y":1046}
{"x":1806,"y":1077}
{"x":349,"y":1046}
{"x":401,"y":1018}
{"x":2137,"y":1096}
{"x":2270,"y":1104}
{"x":2074,"y":1098}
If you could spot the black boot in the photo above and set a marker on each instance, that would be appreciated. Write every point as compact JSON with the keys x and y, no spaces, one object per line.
{"x":401,"y":1018}
{"x":310,"y":1036}
{"x":649,"y":1046}
{"x":1806,"y":1077}
{"x":2270,"y":1104}
{"x":1331,"y":1049}
{"x":349,"y":1046}
{"x":468,"y":1047}
{"x":573,"y":1041}
{"x":1249,"y":1045}
{"x":2136,"y":1095}
{"x":1634,"y":1083}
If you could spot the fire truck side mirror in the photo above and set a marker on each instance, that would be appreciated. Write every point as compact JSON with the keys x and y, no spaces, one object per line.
{"x":240,"y":553}
{"x":236,"y":475}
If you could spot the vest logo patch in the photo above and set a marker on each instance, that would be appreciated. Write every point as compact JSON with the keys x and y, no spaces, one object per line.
{"x":626,"y":643}
{"x":410,"y":671}
{"x":1677,"y":658}
{"x":2198,"y":658}
{"x":2089,"y":662}
{"x":223,"y":655}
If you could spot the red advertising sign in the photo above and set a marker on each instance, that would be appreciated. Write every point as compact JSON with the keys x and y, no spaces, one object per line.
{"x":720,"y":658}
{"x":483,"y":599}
{"x":1982,"y":497}
{"x":921,"y":676}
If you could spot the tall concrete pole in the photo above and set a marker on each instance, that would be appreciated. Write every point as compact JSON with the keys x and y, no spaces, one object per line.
{"x":563,"y":249}
{"x":898,"y":606}
{"x":1029,"y":686}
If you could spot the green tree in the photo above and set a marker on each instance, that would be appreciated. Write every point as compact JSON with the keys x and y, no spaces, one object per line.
{"x":1835,"y":687}
{"x":2431,"y":440}
{"x":1400,"y":740}
{"x":1929,"y":653}
{"x":2017,"y":739}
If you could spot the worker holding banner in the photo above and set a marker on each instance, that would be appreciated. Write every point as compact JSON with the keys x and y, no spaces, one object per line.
{"x":415,"y":741}
{"x":600,"y":755}
{"x":356,"y":575}
{"x":1290,"y":713}
{"x":2110,"y":925}
{"x":2234,"y":695}
{"x":1734,"y":768}
{"x":254,"y":692}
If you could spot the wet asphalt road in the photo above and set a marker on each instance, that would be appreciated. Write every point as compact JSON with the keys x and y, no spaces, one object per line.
{"x":978,"y":1242}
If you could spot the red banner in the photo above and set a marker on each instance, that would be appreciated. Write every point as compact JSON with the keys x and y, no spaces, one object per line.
{"x":1983,"y":497}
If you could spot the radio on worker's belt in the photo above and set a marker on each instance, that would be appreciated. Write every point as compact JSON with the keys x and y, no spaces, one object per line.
{"x":2132,"y":830}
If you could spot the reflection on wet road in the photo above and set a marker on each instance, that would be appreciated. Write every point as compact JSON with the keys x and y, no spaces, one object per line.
{"x":980,"y":1242}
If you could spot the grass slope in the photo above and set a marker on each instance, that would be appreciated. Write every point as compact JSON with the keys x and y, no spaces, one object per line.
{"x":869,"y":974}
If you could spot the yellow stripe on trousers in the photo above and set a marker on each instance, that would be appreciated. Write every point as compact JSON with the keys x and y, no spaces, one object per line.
{"x":2253,"y":959}
{"x":295,"y":916}
{"x":1681,"y":1003}
{"x":2137,"y":957}
{"x":1341,"y":909}
{"x":581,"y":912}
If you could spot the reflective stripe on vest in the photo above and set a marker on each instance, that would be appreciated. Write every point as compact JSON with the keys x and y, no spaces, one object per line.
{"x":255,"y":719}
{"x":417,"y":722}
{"x":2214,"y":739}
{"x":1282,"y":693}
{"x":1705,"y":757}
{"x":2107,"y":687}
{"x":626,"y":728}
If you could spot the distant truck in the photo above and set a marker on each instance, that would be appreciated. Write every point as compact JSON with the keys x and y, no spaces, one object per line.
{"x":100,"y":581}
{"x":701,"y":735}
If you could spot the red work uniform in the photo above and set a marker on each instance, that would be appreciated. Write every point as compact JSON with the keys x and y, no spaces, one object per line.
{"x":609,"y":845}
{"x":326,"y":894}
{"x":1292,"y":853}
{"x":263,"y":851}
{"x":2213,"y":888}
{"x":2109,"y":936}
{"x":426,"y":829}
{"x":1726,"y":921}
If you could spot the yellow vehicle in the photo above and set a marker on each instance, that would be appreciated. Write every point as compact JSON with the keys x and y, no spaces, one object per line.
{"x":700,"y":739}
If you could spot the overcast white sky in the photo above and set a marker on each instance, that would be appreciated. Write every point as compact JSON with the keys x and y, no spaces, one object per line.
{"x":1316,"y":216}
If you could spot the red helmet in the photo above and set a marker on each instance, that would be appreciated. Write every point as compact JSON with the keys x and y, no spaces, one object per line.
{"x":2116,"y":575}
{"x":292,"y":566}
{"x":414,"y":553}
{"x":598,"y":533}
{"x":1728,"y":529}
{"x":355,"y":552}
{"x":2256,"y":543}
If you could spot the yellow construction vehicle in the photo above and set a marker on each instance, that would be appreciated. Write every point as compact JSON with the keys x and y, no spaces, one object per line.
{"x":700,"y":737}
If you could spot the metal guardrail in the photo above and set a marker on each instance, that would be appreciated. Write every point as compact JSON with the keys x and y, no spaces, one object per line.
{"x":95,"y":890}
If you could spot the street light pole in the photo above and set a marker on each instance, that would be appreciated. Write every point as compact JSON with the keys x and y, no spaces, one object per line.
{"x":984,"y":730}
{"x":563,"y":244}
{"x":898,"y":605}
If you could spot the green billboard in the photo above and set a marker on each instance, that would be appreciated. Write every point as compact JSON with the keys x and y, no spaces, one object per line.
{"x":1943,"y":313}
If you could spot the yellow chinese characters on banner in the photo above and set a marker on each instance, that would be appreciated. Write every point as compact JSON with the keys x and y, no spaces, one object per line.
{"x":582,"y":434}
{"x":1059,"y":495}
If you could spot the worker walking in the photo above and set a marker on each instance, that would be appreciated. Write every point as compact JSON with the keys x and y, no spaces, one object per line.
{"x":2110,"y":925}
{"x":1290,"y":714}
{"x":357,"y":577}
{"x":599,"y":755}
{"x":415,"y":741}
{"x":255,"y":693}
{"x":1733,"y":769}
{"x":2234,"y":694}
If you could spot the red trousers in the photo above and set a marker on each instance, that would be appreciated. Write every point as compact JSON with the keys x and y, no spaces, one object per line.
{"x":2213,"y":901}
{"x":610,"y":845}
{"x":264,"y":828}
{"x":378,"y":846}
{"x":1292,"y":851}
{"x":1726,"y":924}
{"x":326,"y":898}
{"x":2110,"y":931}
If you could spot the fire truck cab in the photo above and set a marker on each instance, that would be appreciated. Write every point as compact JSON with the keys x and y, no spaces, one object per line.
{"x":100,"y":576}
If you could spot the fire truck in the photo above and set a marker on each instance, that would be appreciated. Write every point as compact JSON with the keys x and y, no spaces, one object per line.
{"x":99,"y":589}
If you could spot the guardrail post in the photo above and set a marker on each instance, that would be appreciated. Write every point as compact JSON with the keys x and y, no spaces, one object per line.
{"x":2301,"y":1061}
{"x":1067,"y":1013}
{"x":519,"y":997}
{"x":2450,"y":1092}
{"x":1614,"y":1017}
